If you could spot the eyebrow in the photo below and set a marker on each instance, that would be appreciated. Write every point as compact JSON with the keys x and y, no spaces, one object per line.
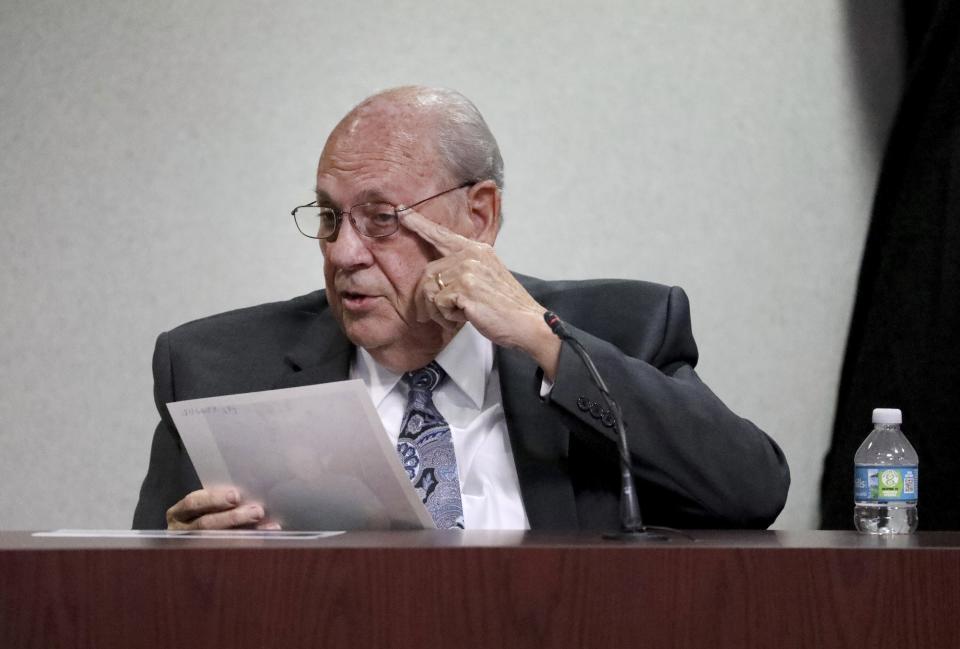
{"x":365,"y":196}
{"x":323,"y":198}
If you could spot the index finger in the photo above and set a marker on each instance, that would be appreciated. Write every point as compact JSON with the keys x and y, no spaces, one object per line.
{"x":445,"y":241}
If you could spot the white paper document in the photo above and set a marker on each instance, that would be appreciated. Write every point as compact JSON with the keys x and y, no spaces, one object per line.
{"x":267,"y":535}
{"x":317,"y":457}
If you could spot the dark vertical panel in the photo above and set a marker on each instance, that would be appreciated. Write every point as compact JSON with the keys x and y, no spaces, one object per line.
{"x":903,"y":348}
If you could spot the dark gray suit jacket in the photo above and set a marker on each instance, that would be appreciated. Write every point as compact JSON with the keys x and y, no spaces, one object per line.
{"x":698,"y":465}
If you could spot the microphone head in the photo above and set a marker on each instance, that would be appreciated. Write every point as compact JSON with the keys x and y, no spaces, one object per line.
{"x":553,"y":321}
{"x":556,"y":325}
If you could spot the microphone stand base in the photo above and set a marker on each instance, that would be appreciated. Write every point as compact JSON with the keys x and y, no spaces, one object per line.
{"x":636,"y":536}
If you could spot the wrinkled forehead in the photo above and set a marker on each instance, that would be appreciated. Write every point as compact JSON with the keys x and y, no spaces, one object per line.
{"x":381,"y":126}
{"x":378,"y":147}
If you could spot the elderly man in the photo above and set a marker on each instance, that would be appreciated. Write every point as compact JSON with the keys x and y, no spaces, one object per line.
{"x":494,"y":418}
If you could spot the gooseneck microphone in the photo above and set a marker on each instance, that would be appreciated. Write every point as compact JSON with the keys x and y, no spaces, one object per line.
{"x":631,"y":524}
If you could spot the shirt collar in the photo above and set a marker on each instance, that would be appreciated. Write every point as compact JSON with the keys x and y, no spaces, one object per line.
{"x":467,"y":360}
{"x":378,"y":379}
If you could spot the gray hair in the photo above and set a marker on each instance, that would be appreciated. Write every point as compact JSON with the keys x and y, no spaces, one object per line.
{"x":464,"y":140}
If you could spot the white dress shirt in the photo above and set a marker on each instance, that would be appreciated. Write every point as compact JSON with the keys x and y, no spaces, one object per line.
{"x":469,"y":399}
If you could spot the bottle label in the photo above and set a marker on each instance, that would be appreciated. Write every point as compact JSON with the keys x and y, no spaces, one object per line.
{"x":885,"y":483}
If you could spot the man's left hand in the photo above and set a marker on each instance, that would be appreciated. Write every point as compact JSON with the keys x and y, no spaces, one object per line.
{"x":469,"y":283}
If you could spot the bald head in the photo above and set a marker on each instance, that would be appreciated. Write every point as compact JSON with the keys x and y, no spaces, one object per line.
{"x":439,"y":123}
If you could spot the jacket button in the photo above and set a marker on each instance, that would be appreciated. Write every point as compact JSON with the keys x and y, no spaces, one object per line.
{"x":583,"y":403}
{"x":595,"y":410}
{"x":608,"y":419}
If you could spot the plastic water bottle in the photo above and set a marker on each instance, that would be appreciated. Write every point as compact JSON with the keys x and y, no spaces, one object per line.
{"x":886,"y":477}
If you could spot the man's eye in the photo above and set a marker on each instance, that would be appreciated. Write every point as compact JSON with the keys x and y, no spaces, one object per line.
{"x":378,"y":220}
{"x":382,"y":218}
{"x":327,"y":217}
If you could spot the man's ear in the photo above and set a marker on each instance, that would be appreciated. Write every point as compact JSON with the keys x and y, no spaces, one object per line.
{"x":483,"y":201}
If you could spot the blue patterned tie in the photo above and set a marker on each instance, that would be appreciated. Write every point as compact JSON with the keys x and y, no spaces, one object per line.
{"x":425,"y":447}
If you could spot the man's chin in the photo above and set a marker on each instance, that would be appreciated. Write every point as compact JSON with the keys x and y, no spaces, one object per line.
{"x":366,"y":333}
{"x":392,"y":343}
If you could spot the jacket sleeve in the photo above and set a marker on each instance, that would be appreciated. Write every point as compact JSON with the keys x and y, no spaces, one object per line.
{"x":170,"y":475}
{"x":691,"y":455}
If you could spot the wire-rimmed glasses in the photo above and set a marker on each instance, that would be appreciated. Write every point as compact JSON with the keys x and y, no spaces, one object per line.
{"x":373,"y":220}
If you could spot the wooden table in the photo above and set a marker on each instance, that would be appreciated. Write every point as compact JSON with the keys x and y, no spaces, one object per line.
{"x":483,"y":589}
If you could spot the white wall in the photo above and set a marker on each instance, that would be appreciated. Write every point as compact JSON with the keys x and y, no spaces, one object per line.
{"x":152,"y":151}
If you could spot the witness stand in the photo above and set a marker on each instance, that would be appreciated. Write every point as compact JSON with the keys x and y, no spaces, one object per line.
{"x":713,"y":589}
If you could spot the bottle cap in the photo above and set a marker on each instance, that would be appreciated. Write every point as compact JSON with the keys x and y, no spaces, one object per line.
{"x":887,"y":416}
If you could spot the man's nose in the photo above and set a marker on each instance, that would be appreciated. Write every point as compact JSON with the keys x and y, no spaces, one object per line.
{"x":348,"y":249}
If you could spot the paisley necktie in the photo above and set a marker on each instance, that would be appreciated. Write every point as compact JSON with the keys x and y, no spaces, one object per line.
{"x":425,"y":447}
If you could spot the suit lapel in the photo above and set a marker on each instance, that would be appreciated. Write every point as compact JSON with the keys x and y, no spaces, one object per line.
{"x":321,"y":355}
{"x":539,"y":440}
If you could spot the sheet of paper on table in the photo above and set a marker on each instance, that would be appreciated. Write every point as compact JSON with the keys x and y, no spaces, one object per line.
{"x":317,"y":457}
{"x":267,"y":535}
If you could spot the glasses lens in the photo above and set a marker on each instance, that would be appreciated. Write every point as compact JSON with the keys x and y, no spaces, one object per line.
{"x":316,"y":222}
{"x":375,"y":219}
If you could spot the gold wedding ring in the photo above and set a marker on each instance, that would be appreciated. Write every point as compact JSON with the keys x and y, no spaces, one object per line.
{"x":440,"y":282}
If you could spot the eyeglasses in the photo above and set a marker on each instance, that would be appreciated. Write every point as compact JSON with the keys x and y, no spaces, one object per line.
{"x":373,"y":220}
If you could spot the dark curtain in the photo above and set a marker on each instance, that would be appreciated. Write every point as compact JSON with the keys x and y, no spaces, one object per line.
{"x":903,"y":349}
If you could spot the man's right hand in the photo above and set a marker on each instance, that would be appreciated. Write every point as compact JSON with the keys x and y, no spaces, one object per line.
{"x":217,"y":508}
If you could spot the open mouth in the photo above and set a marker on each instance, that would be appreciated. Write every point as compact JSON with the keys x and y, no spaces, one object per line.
{"x":353,"y":301}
